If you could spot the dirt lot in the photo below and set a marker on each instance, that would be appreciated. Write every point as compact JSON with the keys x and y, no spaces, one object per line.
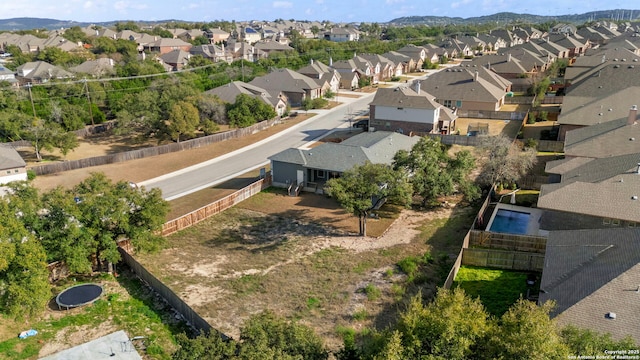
{"x":269,"y":252}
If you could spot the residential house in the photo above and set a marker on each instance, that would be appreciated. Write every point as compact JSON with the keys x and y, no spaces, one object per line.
{"x":128,"y":35}
{"x":310,"y":169}
{"x":576,"y":47}
{"x":217,"y":36}
{"x":327,"y":77}
{"x":229,"y":92}
{"x":554,"y":50}
{"x":342,"y":34}
{"x":95,"y":68}
{"x":250,"y":35}
{"x":36,"y":72}
{"x":407,"y":63}
{"x":508,"y":38}
{"x":509,"y":66}
{"x":407,"y":111}
{"x":7,"y":75}
{"x":12,"y":166}
{"x":176,"y":59}
{"x":177,"y":32}
{"x":603,"y":94}
{"x":165,"y":45}
{"x":192,"y":34}
{"x":467,"y":88}
{"x":591,"y":275}
{"x":295,"y":86}
{"x":457,"y":48}
{"x":362,"y":66}
{"x":592,"y":35}
{"x":388,"y":68}
{"x":563,"y":29}
{"x":212,"y":52}
{"x":492,"y":42}
{"x":268,"y":47}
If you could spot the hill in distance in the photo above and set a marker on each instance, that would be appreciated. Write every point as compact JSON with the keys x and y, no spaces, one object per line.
{"x":26,"y":23}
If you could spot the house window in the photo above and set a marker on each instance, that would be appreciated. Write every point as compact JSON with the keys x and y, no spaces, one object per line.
{"x":606,"y":221}
{"x":631,"y":224}
{"x":615,"y":222}
{"x":8,"y":171}
{"x":400,"y":108}
{"x":16,"y":171}
{"x":459,"y":104}
{"x":447,"y":103}
{"x":320,"y":174}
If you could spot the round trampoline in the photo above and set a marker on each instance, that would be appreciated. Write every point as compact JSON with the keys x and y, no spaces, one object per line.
{"x":78,"y":295}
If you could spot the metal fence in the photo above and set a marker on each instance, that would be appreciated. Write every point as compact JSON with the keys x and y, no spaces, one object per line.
{"x":151,"y":151}
{"x":170,"y":297}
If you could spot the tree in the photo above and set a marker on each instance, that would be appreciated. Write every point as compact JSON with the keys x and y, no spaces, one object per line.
{"x":434,"y":172}
{"x":49,"y":136}
{"x":111,"y":212}
{"x":503,"y":161}
{"x":363,"y":188}
{"x":183,"y":120}
{"x":248,"y":110}
{"x":24,"y":278}
{"x":449,"y":327}
{"x":265,"y":336}
{"x":590,"y":343}
{"x":525,"y":331}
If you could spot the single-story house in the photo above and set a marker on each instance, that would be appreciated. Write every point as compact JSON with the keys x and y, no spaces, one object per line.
{"x":229,"y":92}
{"x":310,"y":169}
{"x":12,"y":166}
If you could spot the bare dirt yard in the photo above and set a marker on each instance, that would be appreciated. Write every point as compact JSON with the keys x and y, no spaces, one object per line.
{"x":301,"y":258}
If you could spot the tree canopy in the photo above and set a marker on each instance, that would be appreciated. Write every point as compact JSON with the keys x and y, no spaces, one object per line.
{"x":365,"y":187}
{"x":433,"y":172}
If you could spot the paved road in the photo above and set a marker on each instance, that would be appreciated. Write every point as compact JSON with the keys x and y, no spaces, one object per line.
{"x":223,"y":168}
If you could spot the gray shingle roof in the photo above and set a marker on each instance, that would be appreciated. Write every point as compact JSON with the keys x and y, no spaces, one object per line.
{"x":458,"y":83}
{"x":285,"y":80}
{"x":404,"y":97}
{"x":376,"y":147}
{"x":608,"y":139}
{"x":10,"y":159}
{"x":589,"y":273}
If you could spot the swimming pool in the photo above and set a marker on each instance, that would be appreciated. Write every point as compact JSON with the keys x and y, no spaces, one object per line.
{"x":510,"y":222}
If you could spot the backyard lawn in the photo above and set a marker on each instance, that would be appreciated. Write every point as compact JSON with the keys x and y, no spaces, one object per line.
{"x":497,"y":289}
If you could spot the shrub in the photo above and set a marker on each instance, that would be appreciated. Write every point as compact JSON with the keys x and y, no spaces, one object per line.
{"x":329,"y":94}
{"x":409,"y":266}
{"x":542,"y":116}
{"x":31,"y":174}
{"x":372,"y":292}
{"x":531,"y":120}
{"x":319,"y":103}
{"x":531,"y":143}
{"x":395,"y":78}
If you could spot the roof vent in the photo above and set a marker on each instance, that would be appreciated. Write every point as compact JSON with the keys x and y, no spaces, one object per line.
{"x":624,"y":59}
{"x":634,"y":197}
{"x":635,"y":60}
{"x":616,"y":66}
{"x":611,"y":315}
{"x":630,"y":67}
{"x":632,"y":139}
{"x":599,"y":86}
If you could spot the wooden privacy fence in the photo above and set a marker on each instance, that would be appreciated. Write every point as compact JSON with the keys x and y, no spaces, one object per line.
{"x":151,"y":151}
{"x":216,"y":207}
{"x":513,"y":242}
{"x":512,"y":260}
{"x":456,"y":139}
{"x":495,"y":115}
{"x":520,"y":100}
{"x":551,"y":146}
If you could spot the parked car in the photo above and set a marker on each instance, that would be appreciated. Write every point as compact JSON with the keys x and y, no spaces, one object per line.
{"x":363,"y":124}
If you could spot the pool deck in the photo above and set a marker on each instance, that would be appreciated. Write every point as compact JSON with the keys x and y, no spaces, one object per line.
{"x":533,"y":226}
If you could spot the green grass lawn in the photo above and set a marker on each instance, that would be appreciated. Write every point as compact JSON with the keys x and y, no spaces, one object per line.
{"x":497,"y":289}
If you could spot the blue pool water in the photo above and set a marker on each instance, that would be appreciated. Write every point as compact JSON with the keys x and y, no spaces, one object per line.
{"x":511,"y":222}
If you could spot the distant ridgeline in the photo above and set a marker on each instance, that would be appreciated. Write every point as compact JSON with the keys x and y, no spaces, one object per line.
{"x":26,"y":23}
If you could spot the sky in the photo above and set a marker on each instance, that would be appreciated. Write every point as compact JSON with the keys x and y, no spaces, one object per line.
{"x":333,"y":10}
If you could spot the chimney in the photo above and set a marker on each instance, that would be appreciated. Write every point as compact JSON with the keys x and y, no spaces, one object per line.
{"x":638,"y":170}
{"x":475,"y":76}
{"x":418,"y":87}
{"x":633,"y":115}
{"x":330,"y":61}
{"x":509,"y":57}
{"x":311,"y":61}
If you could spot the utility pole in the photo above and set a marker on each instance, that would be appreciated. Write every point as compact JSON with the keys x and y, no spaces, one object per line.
{"x":33,"y":107}
{"x":86,"y":88}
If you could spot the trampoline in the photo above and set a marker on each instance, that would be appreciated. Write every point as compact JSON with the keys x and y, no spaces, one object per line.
{"x":78,"y":295}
